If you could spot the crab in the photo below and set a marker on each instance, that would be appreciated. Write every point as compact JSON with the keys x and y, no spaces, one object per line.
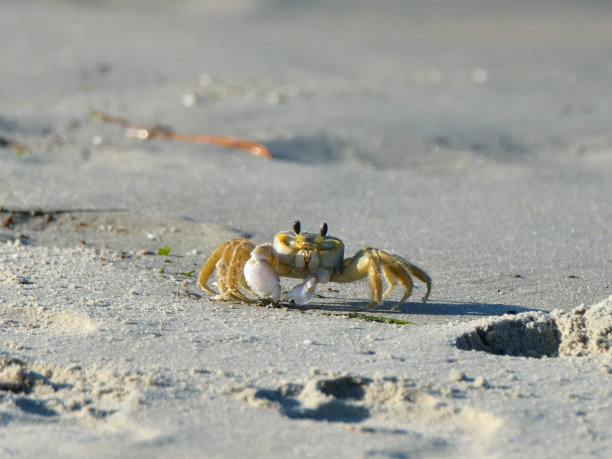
{"x":245,"y":268}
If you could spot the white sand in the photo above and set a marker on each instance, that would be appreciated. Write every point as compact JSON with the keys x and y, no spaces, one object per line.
{"x":473,"y":141}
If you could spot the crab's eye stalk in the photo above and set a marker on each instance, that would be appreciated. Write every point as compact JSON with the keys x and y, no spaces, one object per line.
{"x":323,"y":229}
{"x":296,"y":227}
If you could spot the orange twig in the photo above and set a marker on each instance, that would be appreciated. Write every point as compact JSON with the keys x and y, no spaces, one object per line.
{"x":6,"y":142}
{"x":143,"y":132}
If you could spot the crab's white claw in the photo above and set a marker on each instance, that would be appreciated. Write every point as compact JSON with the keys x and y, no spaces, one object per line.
{"x":260,"y":274}
{"x":303,"y":293}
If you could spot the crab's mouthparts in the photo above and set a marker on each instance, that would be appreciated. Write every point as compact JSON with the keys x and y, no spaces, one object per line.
{"x":306,"y":247}
{"x":307,"y":259}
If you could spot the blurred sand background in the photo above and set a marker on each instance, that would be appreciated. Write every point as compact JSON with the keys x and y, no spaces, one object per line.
{"x":472,"y":138}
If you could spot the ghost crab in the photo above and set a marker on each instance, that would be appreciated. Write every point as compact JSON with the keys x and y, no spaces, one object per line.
{"x":315,"y":257}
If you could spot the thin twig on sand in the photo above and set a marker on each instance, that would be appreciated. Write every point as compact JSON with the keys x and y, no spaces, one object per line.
{"x":16,"y":216}
{"x":40,"y":212}
{"x":144,"y":132}
{"x":20,"y":148}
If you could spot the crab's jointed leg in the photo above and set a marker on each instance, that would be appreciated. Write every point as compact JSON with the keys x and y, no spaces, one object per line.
{"x":375,"y":263}
{"x":229,"y":260}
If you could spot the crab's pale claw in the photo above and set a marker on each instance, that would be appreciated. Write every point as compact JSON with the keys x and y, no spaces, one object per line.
{"x":260,"y":274}
{"x":303,"y":293}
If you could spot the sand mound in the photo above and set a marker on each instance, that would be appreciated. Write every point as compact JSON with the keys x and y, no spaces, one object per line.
{"x":47,"y":390}
{"x":583,"y":331}
{"x":16,"y":315}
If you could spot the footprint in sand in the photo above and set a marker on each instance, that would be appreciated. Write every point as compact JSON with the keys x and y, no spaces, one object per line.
{"x":384,"y":405}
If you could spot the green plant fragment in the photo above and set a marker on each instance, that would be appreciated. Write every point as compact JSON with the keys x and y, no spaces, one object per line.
{"x":385,"y":320}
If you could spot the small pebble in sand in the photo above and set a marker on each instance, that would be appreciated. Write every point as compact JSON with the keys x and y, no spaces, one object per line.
{"x":199,"y":371}
{"x":189,"y":99}
{"x":273,"y":98}
{"x":456,"y":375}
{"x":204,"y":79}
{"x":479,"y":75}
{"x":606,"y":369}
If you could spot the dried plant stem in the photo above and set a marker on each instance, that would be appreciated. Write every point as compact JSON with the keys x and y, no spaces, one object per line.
{"x":143,"y":132}
{"x":6,"y":142}
{"x":41,"y":212}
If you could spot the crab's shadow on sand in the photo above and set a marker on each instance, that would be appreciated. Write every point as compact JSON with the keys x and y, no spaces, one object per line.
{"x":469,"y":309}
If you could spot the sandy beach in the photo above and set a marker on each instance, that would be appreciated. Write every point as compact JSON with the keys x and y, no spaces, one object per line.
{"x":473,"y":140}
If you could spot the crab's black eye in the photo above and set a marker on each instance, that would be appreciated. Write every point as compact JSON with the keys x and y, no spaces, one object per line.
{"x":323,"y":229}
{"x":296,"y":227}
